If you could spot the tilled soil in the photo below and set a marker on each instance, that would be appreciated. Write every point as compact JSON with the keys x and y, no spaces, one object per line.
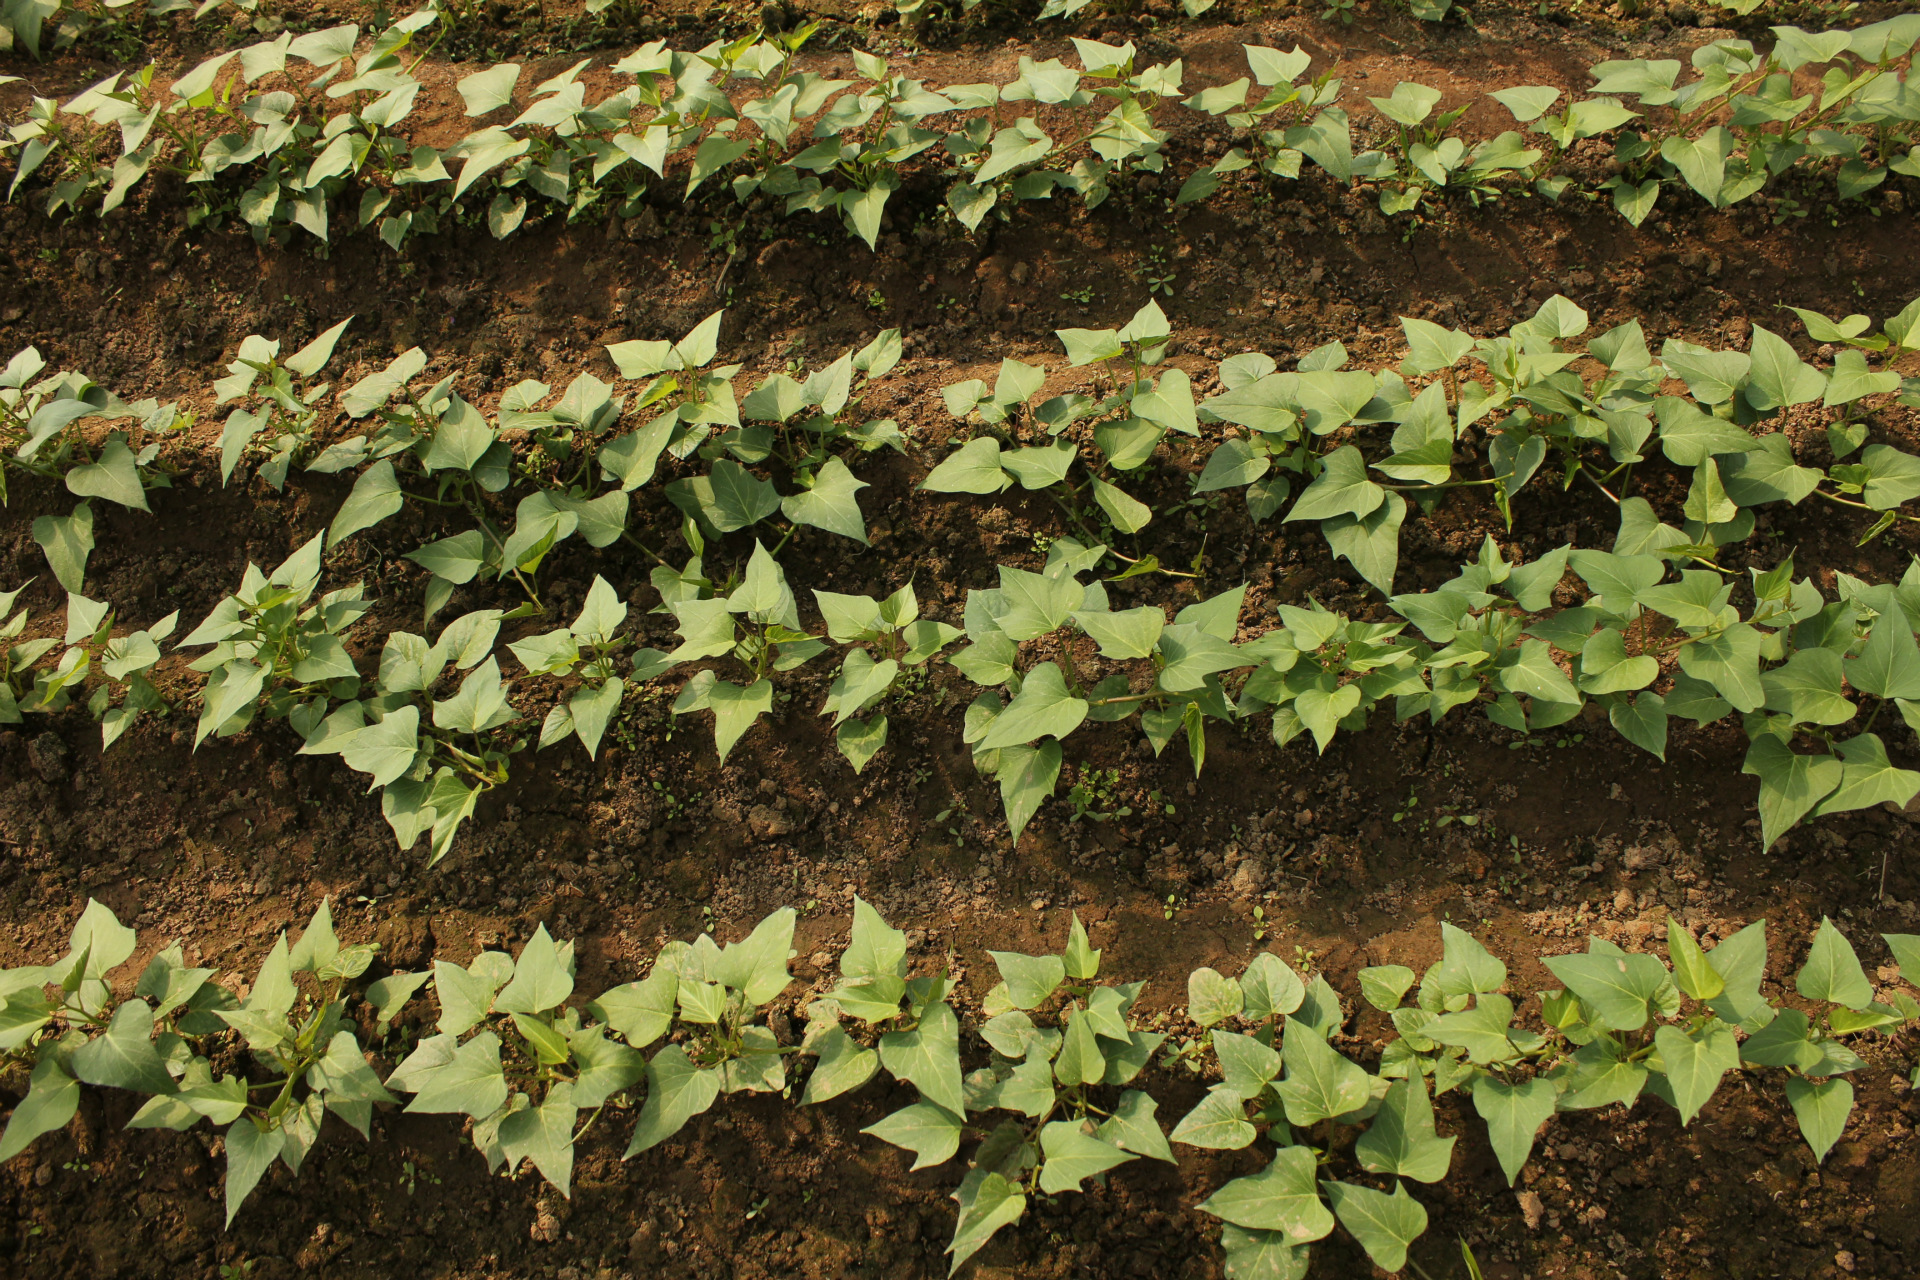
{"x":1345,"y":854}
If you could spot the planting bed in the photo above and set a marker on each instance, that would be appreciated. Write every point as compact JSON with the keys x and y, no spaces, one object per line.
{"x":1335,"y":860}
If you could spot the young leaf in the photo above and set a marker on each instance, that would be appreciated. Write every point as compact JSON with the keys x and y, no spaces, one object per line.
{"x":1691,"y":970}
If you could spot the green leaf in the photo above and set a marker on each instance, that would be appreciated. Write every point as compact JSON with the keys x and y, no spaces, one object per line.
{"x":1695,"y":1064}
{"x":1232,"y":465}
{"x":1043,"y":708}
{"x":1132,"y":1126}
{"x":1129,"y":514}
{"x":1692,"y":972}
{"x":1029,"y":980}
{"x":1402,"y":1140}
{"x":830,"y":504}
{"x":1246,"y":1065}
{"x":677,"y":1091}
{"x":1768,"y":474}
{"x":1695,"y":601}
{"x":1466,"y":969}
{"x":931,"y":1132}
{"x":1779,"y":377}
{"x":542,"y":977}
{"x":376,"y":495}
{"x":735,"y":709}
{"x":1481,"y":1030}
{"x":1213,"y":998}
{"x":1371,"y":543}
{"x":1741,"y":962}
{"x":1282,"y":1197}
{"x":1383,"y":1224}
{"x":544,"y":1135}
{"x":641,"y":1011}
{"x":1832,"y":971}
{"x":251,"y":1151}
{"x":844,"y":1065}
{"x":114,"y":476}
{"x":1621,"y":989}
{"x":478,"y":705}
{"x":52,"y":1098}
{"x":1431,"y":348}
{"x":1730,"y":662}
{"x":1341,"y":489}
{"x":988,"y":1202}
{"x":1597,"y":1076}
{"x":928,"y":1057}
{"x":972,"y":468}
{"x":1028,"y":1089}
{"x":875,"y":950}
{"x":756,"y":966}
{"x":1808,"y":688}
{"x":1320,"y":1083}
{"x":1906,"y":954}
{"x":1514,"y":1114}
{"x":1040,"y":466}
{"x":1889,"y":664}
{"x":730,"y":498}
{"x":1081,"y":1060}
{"x":67,"y":541}
{"x":1868,"y":778}
{"x":1027,"y":776}
{"x":1384,"y":986}
{"x":1532,"y":671}
{"x":1072,"y":1156}
{"x":1271,"y":988}
{"x":1893,"y":477}
{"x":1642,"y":722}
{"x":1128,"y":633}
{"x":123,"y":1056}
{"x":1790,"y":784}
{"x":1691,"y":436}
{"x":1822,"y":1110}
{"x":1217,"y":1123}
{"x":1262,"y":1255}
{"x":1321,"y":709}
{"x":470,"y":1082}
{"x":1189,"y":655}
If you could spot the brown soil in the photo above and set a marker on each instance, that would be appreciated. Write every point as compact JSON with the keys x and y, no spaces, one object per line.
{"x":226,"y":846}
